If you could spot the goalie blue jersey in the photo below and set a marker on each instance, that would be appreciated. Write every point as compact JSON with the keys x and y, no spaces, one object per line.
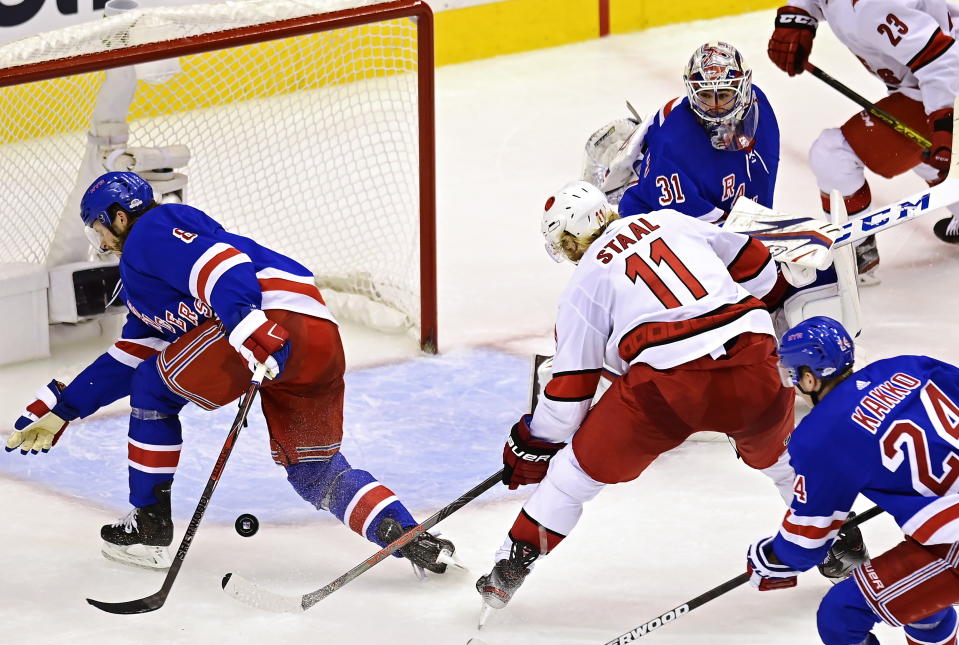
{"x":890,"y":432}
{"x":680,"y":169}
{"x":180,"y":268}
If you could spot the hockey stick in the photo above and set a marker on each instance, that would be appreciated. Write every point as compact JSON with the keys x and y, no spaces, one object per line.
{"x":870,"y":107}
{"x":807,"y":241}
{"x":154,"y":602}
{"x":700,"y":600}
{"x":249,"y":593}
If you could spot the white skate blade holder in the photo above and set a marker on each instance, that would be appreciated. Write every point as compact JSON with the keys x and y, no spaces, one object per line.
{"x":156,"y":558}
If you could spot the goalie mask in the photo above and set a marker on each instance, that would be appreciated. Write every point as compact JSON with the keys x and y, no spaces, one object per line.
{"x":572,"y":218}
{"x":719,"y":85}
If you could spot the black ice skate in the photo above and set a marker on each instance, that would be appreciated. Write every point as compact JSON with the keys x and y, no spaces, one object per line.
{"x":425,"y":551}
{"x":947,"y":230}
{"x":142,"y":537}
{"x":499,"y":585}
{"x":845,"y":554}
{"x":867,"y":261}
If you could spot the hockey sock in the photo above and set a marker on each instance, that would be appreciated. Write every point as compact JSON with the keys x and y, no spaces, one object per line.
{"x":937,"y":629}
{"x":527,"y":529}
{"x":354,"y":496}
{"x":153,"y":452}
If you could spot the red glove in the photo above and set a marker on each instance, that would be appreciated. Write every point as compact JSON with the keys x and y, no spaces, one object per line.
{"x":260,"y":340}
{"x":526,"y":459}
{"x":940,"y":154}
{"x":791,"y":41}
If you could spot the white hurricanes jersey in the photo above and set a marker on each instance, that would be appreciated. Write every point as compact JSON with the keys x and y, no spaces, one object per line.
{"x":906,"y":43}
{"x":662,"y":289}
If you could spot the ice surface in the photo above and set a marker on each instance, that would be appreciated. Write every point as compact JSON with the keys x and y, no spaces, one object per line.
{"x":509,"y":131}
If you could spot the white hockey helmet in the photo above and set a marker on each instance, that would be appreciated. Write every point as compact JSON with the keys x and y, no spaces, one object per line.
{"x":578,"y":208}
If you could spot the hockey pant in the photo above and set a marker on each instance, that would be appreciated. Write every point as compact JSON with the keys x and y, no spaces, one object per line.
{"x":839,"y":156}
{"x":648,"y":412}
{"x":911,"y":586}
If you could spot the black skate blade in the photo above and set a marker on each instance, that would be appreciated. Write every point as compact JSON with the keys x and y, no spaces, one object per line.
{"x":141,"y":606}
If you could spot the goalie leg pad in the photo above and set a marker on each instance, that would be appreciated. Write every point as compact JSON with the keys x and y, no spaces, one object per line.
{"x":354,"y":496}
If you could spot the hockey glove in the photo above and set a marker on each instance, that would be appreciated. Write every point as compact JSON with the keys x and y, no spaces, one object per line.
{"x":261,"y":341}
{"x":939,"y":155}
{"x":525,"y":459}
{"x":38,"y":429}
{"x":765,"y":570}
{"x":792,"y":38}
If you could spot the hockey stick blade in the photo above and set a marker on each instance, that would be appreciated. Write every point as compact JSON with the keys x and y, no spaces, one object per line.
{"x":253,"y":595}
{"x":700,"y":600}
{"x":141,"y":606}
{"x":154,"y":602}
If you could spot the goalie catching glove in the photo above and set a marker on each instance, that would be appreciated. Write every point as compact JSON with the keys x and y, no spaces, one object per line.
{"x":525,"y":458}
{"x":259,"y":340}
{"x":765,"y":570}
{"x":38,"y":429}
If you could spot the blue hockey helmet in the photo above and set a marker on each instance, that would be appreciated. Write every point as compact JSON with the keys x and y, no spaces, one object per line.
{"x":821,"y":344}
{"x":127,"y":190}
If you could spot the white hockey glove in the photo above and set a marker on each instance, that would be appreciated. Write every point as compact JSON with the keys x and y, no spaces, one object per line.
{"x":259,"y":340}
{"x":38,"y":429}
{"x":765,"y":570}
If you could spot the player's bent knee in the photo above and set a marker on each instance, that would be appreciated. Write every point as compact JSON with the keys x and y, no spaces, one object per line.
{"x":149,"y":392}
{"x":844,"y":616}
{"x":835,"y":164}
{"x":567,"y":476}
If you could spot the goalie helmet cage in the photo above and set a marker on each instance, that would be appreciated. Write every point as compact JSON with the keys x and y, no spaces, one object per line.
{"x":309,"y":124}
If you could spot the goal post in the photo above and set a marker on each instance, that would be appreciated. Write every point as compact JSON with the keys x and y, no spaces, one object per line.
{"x":307,"y":125}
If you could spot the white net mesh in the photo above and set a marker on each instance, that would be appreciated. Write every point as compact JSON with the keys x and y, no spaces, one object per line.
{"x":309,"y":144}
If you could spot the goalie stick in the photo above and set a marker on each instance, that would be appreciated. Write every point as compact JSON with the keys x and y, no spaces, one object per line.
{"x":700,"y":600}
{"x":807,"y":241}
{"x":154,"y":602}
{"x":251,"y":594}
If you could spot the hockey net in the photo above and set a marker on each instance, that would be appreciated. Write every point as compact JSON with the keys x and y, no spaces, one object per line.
{"x":309,"y":126}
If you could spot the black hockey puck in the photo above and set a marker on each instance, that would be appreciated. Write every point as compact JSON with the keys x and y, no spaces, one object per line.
{"x":247,"y":525}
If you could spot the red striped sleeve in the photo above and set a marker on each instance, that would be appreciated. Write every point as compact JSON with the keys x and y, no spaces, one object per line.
{"x":936,"y":47}
{"x":750,"y":261}
{"x":573,"y":386}
{"x":280,"y":284}
{"x":936,"y":522}
{"x":210,"y":266}
{"x":810,"y":532}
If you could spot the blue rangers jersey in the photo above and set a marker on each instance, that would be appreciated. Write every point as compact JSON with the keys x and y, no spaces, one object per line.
{"x":180,"y":268}
{"x":679,"y":168}
{"x":890,"y":432}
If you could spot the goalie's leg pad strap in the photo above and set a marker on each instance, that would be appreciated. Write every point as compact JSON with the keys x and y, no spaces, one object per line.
{"x":354,"y":496}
